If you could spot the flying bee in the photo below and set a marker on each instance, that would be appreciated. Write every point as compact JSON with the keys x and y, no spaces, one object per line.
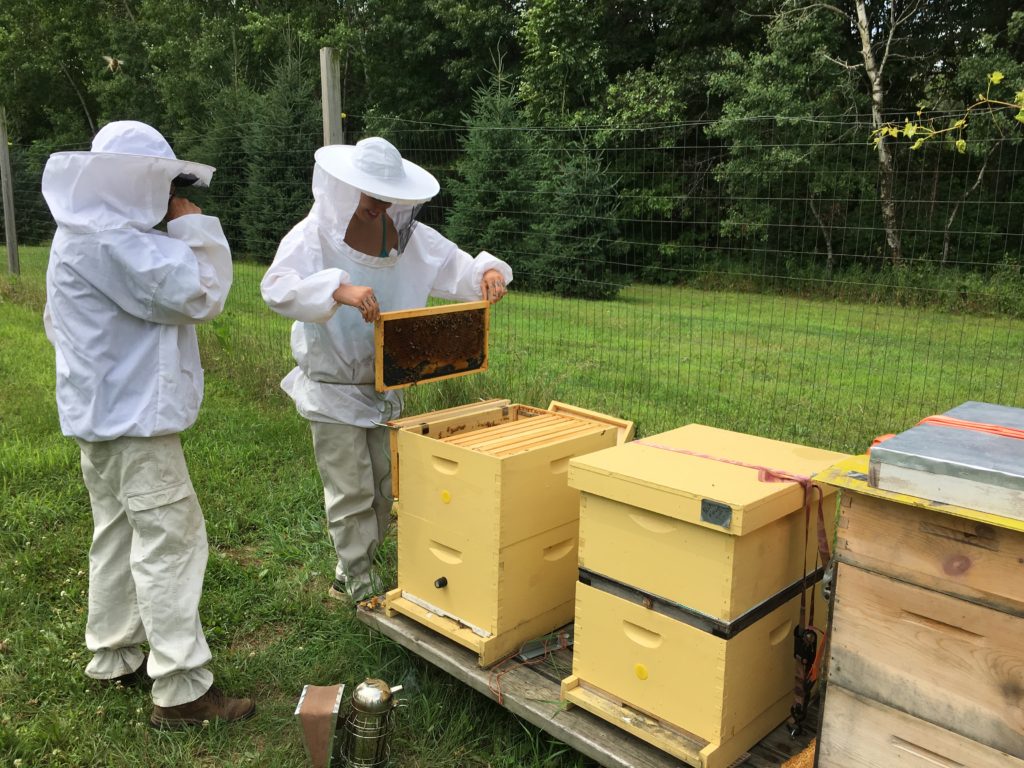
{"x":113,"y":64}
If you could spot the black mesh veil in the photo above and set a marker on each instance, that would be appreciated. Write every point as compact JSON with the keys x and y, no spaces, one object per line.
{"x":405,"y":222}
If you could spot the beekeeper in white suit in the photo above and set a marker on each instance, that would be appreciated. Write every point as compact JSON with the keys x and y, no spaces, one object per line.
{"x":359,"y":252}
{"x":122,"y":302}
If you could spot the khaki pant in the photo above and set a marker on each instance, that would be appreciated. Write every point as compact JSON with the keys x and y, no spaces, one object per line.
{"x":355,"y":468}
{"x":146,"y":566}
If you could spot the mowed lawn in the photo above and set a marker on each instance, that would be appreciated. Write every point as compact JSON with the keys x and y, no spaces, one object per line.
{"x":817,"y":372}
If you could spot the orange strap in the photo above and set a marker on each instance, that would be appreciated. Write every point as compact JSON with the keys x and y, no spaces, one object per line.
{"x":974,"y":426}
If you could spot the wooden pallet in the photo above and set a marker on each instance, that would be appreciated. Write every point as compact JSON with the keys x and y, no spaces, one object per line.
{"x":532,"y":693}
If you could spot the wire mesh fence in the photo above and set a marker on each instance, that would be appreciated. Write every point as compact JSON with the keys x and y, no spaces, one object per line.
{"x":736,"y":274}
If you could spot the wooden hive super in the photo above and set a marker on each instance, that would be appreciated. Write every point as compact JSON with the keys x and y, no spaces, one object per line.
{"x":487,"y":524}
{"x":691,"y":570}
{"x":926,"y":660}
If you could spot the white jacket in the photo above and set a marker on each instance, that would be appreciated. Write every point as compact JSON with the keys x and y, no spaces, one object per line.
{"x":122,"y":298}
{"x":332,"y":345}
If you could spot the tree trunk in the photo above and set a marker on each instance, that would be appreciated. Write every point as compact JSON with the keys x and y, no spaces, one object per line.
{"x":826,"y":232}
{"x":885,"y":165}
{"x":946,"y":232}
{"x":81,"y":98}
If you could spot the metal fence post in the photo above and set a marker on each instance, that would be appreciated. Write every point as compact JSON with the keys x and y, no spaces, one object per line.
{"x":330,"y":96}
{"x":13,"y":264}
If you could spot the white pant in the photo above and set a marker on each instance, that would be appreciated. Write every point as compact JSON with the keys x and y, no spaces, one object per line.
{"x":146,"y":566}
{"x":355,"y":468}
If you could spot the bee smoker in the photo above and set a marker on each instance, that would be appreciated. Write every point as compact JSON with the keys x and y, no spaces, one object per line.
{"x":369,"y":723}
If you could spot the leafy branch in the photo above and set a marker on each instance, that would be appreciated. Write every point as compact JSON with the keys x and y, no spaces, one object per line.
{"x":925,"y":131}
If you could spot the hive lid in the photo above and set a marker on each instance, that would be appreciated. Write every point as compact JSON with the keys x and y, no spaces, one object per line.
{"x":969,"y":468}
{"x":660,"y":473}
{"x":413,"y":346}
{"x":851,"y":474}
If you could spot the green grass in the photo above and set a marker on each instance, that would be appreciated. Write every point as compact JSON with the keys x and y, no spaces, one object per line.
{"x":818,"y":372}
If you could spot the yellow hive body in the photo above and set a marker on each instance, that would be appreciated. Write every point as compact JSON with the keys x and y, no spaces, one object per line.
{"x":691,"y":569}
{"x":487,"y":524}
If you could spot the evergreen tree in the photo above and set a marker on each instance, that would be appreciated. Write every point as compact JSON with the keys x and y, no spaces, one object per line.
{"x":232,"y":115}
{"x":573,"y":244}
{"x":497,"y":176}
{"x":544,"y":206}
{"x":279,"y":146}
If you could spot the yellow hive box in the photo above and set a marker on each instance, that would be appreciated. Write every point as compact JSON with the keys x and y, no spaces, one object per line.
{"x":691,"y":564}
{"x":701,"y":532}
{"x":487,"y":524}
{"x":711,"y":699}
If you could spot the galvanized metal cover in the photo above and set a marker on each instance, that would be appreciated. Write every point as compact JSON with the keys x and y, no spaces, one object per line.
{"x":963,"y":453}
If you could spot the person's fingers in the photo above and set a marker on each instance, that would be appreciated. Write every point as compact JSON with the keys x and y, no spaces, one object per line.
{"x":369,"y":308}
{"x":494,"y":290}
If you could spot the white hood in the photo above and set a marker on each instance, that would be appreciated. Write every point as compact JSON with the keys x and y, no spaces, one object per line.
{"x":335,"y":202}
{"x":122,"y":183}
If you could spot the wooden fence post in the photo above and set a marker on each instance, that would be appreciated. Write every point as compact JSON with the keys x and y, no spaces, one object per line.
{"x":13,"y":263}
{"x":330,"y":96}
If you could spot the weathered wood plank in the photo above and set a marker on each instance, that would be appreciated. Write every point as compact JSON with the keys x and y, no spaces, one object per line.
{"x":950,"y":662}
{"x":967,"y":558}
{"x":861,"y":733}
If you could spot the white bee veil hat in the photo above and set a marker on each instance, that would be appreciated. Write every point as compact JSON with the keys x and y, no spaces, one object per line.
{"x":130,"y":137}
{"x":122,"y":182}
{"x":375,"y":167}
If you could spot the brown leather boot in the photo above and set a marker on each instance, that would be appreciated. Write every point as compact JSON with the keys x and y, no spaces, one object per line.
{"x":129,"y":679}
{"x":212,"y":705}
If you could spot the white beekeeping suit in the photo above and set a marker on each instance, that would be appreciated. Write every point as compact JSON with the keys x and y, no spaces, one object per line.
{"x":333,"y":345}
{"x":122,"y":297}
{"x":122,"y":302}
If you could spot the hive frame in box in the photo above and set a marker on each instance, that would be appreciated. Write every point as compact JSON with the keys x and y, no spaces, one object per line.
{"x":428,"y":364}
